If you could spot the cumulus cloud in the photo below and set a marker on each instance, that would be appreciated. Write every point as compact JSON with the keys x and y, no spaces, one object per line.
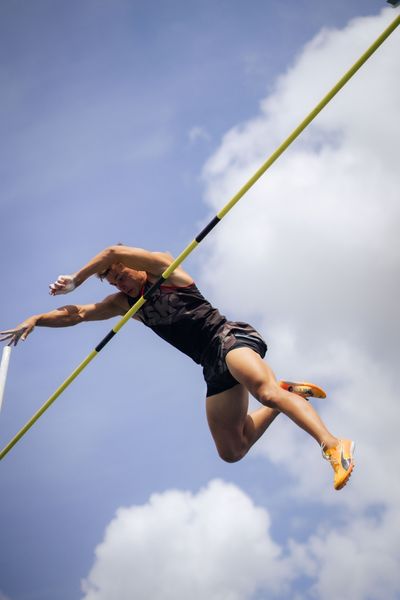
{"x":364,"y":405}
{"x":316,"y":240}
{"x":217,"y":544}
{"x":311,"y":256}
{"x":365,"y":554}
{"x":214,"y":544}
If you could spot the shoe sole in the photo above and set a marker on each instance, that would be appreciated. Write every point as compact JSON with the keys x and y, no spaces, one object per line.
{"x":350,"y":471}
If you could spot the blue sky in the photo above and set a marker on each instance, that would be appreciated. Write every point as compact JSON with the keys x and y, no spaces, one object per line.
{"x":133,"y":122}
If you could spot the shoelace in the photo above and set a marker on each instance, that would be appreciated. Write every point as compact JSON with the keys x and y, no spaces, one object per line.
{"x":332,"y":459}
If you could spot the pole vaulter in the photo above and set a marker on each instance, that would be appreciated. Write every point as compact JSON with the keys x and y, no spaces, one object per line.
{"x":200,"y":237}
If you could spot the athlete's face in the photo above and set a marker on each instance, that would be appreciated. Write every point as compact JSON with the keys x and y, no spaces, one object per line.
{"x":126,"y":280}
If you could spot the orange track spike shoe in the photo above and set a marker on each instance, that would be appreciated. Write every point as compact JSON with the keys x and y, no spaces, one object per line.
{"x":303,"y":388}
{"x":341,"y":459}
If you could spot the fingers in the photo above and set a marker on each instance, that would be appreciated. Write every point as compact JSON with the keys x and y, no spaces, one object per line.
{"x":63,"y":285}
{"x":6,"y":335}
{"x":57,"y":286}
{"x":26,"y":332}
{"x":13,"y":338}
{"x":56,"y":289}
{"x":14,"y":335}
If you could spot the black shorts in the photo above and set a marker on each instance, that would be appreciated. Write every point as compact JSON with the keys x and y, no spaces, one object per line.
{"x":231,"y":335}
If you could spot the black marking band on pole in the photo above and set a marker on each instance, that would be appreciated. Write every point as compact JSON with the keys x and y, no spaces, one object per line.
{"x":105,"y":340}
{"x":153,"y":288}
{"x":207,"y":229}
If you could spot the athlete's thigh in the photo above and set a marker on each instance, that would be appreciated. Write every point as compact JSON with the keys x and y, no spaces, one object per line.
{"x":250,"y":369}
{"x":227,"y":412}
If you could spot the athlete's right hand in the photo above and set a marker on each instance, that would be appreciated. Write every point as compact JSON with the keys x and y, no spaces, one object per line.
{"x":21,"y":332}
{"x":63,"y":285}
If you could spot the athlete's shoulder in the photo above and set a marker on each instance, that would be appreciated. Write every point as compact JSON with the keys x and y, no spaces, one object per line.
{"x":118,"y":300}
{"x":178,"y":277}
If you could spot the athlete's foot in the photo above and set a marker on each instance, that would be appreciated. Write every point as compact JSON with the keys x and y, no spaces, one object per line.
{"x":303,"y":388}
{"x":341,"y":459}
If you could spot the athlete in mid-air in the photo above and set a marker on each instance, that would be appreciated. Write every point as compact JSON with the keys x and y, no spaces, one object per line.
{"x":231,"y":353}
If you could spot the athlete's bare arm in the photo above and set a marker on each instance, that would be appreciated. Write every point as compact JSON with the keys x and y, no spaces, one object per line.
{"x":153,"y":263}
{"x":66,"y":316}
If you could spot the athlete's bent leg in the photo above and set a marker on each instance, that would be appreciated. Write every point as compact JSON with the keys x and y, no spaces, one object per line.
{"x":250,"y":370}
{"x":233,"y":430}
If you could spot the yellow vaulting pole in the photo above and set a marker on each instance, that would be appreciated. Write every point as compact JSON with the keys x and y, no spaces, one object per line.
{"x":185,"y":253}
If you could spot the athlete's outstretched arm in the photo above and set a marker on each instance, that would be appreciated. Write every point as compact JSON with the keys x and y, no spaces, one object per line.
{"x":135,"y":258}
{"x":66,"y":316}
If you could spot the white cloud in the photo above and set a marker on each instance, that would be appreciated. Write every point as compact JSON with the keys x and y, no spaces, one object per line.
{"x":311,"y":255}
{"x":215,"y":544}
{"x":319,"y":247}
{"x":197,"y":133}
{"x":364,"y":406}
{"x":313,"y":251}
{"x":358,"y":562}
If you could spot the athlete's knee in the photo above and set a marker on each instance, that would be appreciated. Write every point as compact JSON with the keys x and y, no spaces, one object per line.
{"x":231,"y":456}
{"x":269,"y":394}
{"x":231,"y":453}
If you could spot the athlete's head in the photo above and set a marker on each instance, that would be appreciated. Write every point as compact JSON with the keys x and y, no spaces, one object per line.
{"x":125,"y":279}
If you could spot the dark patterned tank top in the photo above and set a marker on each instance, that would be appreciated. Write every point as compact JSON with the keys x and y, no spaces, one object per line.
{"x":182,"y":317}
